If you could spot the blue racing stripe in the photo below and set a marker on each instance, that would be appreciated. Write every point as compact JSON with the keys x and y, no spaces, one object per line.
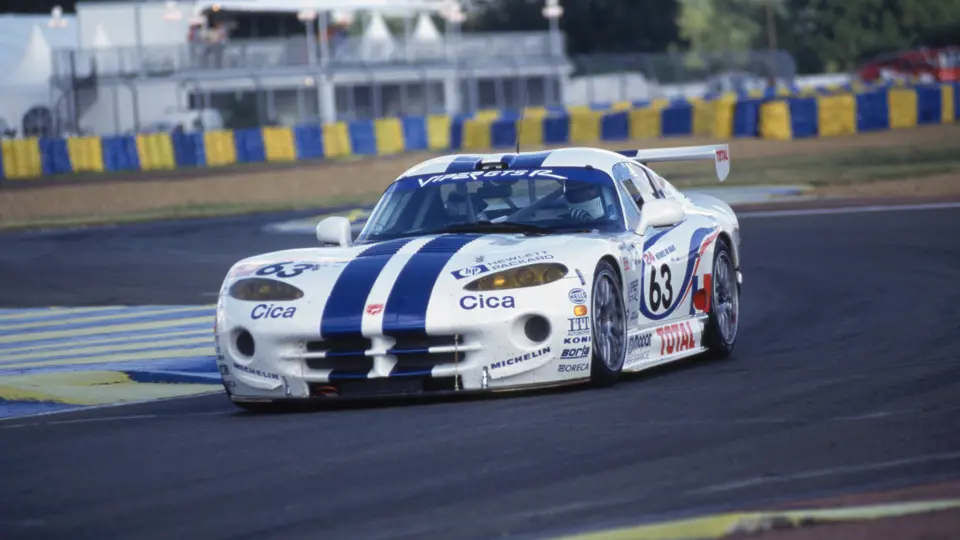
{"x":343,"y":312}
{"x":463,"y":164}
{"x":406,"y":309}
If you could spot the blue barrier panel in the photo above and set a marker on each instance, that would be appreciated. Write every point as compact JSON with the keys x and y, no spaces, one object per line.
{"x":677,"y":119}
{"x":503,"y":133}
{"x":188,"y":149}
{"x":120,"y":153}
{"x":54,"y":156}
{"x":929,"y":104}
{"x":804,"y":117}
{"x":615,"y":126}
{"x":308,"y":140}
{"x":956,"y":100}
{"x":746,"y":118}
{"x":456,"y":134}
{"x":414,"y":133}
{"x":250,"y":146}
{"x":556,"y":130}
{"x":873,"y":111}
{"x":363,"y":137}
{"x":641,"y":103}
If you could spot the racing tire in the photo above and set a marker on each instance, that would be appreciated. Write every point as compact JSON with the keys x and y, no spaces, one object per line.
{"x":608,"y":327}
{"x":720,"y":334}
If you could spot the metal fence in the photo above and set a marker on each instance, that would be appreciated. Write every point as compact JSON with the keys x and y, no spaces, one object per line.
{"x":627,"y":77}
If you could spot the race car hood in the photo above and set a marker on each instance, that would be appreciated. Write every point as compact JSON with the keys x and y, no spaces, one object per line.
{"x":401,"y":280}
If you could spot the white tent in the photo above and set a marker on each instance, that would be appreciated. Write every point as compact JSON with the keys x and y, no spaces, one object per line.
{"x":108,"y":60}
{"x":377,"y":42}
{"x":36,"y":65}
{"x":425,"y":30}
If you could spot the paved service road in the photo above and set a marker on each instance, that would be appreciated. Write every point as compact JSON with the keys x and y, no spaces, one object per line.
{"x":846,"y":377}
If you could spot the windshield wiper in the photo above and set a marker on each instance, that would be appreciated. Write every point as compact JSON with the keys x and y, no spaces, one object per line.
{"x":489,"y":226}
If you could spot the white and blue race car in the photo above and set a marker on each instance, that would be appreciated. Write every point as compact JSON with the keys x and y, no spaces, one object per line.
{"x":487,"y":273}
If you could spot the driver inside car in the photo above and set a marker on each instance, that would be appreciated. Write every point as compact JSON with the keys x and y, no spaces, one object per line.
{"x":584,"y":201}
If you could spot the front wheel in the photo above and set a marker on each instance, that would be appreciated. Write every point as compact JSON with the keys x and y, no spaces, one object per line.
{"x":608,"y":326}
{"x":720,"y":335}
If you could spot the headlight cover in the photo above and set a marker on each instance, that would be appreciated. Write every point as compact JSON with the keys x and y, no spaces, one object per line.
{"x":264,"y":290}
{"x":518,"y":278}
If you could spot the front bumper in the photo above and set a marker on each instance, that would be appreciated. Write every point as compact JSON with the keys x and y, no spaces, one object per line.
{"x":541,"y":342}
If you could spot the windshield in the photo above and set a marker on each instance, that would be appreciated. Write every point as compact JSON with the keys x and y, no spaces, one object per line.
{"x":529,"y":201}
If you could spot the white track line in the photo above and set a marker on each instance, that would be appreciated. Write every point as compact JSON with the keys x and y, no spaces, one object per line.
{"x":834,"y":471}
{"x":848,"y":210}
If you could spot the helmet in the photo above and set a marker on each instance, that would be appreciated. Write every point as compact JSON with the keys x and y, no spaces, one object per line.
{"x":583,"y":199}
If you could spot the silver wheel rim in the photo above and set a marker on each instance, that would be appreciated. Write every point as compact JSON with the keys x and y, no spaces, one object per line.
{"x":609,"y":322}
{"x":726,"y":298}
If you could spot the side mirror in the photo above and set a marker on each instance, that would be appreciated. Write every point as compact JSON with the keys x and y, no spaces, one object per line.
{"x":660,"y":213}
{"x":335,"y":230}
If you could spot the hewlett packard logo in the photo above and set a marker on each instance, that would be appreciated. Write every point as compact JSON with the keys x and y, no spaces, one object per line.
{"x":470,"y":271}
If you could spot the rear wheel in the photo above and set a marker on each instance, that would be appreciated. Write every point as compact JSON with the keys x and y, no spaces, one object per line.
{"x":608,"y":326}
{"x":724,"y":320}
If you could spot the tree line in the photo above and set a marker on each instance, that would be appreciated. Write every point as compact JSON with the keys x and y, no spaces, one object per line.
{"x":822,"y":35}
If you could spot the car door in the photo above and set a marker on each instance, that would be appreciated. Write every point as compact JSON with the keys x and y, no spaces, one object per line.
{"x":668,"y":257}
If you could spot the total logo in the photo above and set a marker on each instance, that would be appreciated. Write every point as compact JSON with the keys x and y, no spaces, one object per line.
{"x":639,"y":341}
{"x":573,"y":368}
{"x":487,"y":302}
{"x":270,"y":311}
{"x":575,"y":340}
{"x":577,"y":296}
{"x":579,"y":352}
{"x":374,"y":309}
{"x":676,"y":338}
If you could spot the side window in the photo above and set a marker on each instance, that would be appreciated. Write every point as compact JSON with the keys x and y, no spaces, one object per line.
{"x":633,"y":179}
{"x":651,"y":180}
{"x":631,"y":211}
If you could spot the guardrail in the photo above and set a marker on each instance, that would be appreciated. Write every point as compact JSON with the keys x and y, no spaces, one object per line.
{"x":815,"y":113}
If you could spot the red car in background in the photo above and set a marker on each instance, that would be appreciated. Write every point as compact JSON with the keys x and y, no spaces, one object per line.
{"x":940,"y":64}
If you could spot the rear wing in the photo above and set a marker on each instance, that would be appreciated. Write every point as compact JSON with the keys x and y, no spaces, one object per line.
{"x":718,"y":153}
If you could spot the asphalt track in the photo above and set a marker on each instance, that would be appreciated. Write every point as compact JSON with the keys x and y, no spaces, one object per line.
{"x":846,"y":377}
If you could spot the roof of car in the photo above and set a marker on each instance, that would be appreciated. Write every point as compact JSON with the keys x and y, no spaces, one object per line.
{"x":598,"y":158}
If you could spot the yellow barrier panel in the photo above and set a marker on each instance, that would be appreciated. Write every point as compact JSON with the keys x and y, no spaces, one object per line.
{"x":389,"y":134}
{"x":336,"y":140}
{"x":531,"y":133}
{"x":21,"y":158}
{"x":155,"y":151}
{"x":438,"y":132}
{"x":724,"y":109}
{"x":903,"y":108}
{"x":645,"y":123}
{"x":704,"y":114}
{"x":278,"y":143}
{"x":578,"y":109}
{"x":837,"y":115}
{"x":476,"y":135}
{"x":487,"y":115}
{"x":585,"y":127}
{"x":775,"y":121}
{"x":660,"y":103}
{"x":947,"y":111}
{"x":622,"y":106}
{"x":86,"y":153}
{"x":220,"y":148}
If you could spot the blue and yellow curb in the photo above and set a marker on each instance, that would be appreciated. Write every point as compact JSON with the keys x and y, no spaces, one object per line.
{"x":721,"y":525}
{"x":55,"y":359}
